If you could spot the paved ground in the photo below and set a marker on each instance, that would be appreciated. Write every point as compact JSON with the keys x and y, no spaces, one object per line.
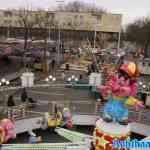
{"x":79,"y":100}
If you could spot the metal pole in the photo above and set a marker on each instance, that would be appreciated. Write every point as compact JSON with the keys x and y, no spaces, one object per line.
{"x":94,"y":26}
{"x":118,"y":47}
{"x":8,"y":32}
{"x":49,"y":33}
{"x":60,"y":2}
{"x":95,"y":38}
{"x":58,"y":54}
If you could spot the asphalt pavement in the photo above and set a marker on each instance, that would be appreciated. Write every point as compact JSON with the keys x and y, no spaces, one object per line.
{"x":79,"y":100}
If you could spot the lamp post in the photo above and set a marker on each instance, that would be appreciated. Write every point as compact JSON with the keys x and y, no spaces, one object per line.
{"x":95,"y":34}
{"x":60,"y":3}
{"x":95,"y":26}
{"x":8,"y":28}
{"x":118,"y":45}
{"x":58,"y":45}
{"x":49,"y":32}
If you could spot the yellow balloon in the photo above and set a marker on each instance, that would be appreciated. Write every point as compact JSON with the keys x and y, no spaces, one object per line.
{"x":51,"y":122}
{"x":132,"y":67}
{"x":131,"y":101}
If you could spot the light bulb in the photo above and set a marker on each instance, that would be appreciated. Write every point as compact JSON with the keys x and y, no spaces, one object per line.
{"x":73,"y":76}
{"x":50,"y":76}
{"x":144,"y":86}
{"x":47,"y":79}
{"x":69,"y":79}
{"x":3,"y":80}
{"x":54,"y":79}
{"x":7,"y":82}
{"x":140,"y":83}
{"x":76,"y":79}
{"x":0,"y":83}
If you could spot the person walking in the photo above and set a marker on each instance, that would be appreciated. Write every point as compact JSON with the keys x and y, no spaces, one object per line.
{"x":53,"y":65}
{"x":24,"y":95}
{"x":10,"y":102}
{"x":63,"y":76}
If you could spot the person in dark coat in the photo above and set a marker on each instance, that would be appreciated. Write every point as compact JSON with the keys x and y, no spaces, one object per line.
{"x":10,"y":102}
{"x":89,"y":70}
{"x":24,"y":95}
{"x":94,"y":67}
{"x":53,"y":64}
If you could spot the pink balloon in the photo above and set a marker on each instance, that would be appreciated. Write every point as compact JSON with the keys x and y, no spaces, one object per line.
{"x":8,"y":127}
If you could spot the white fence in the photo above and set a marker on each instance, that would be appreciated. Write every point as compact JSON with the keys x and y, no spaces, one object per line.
{"x":84,"y":108}
{"x":56,"y":146}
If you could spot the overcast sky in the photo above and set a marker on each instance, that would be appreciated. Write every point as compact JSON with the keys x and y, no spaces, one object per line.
{"x":131,"y":9}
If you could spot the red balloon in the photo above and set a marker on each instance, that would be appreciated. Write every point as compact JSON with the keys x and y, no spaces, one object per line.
{"x":69,"y":124}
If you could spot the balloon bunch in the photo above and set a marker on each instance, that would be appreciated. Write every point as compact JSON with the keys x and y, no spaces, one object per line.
{"x":6,"y":130}
{"x":121,"y":90}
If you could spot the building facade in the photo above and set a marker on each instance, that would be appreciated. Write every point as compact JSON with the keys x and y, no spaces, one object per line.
{"x":73,"y":26}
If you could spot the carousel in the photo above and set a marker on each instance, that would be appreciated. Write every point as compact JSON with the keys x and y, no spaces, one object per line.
{"x":120,"y":92}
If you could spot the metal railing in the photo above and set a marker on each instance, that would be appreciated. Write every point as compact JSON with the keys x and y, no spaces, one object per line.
{"x":142,"y":116}
{"x":16,"y":112}
{"x":22,"y":112}
{"x":53,"y":146}
{"x":76,"y":107}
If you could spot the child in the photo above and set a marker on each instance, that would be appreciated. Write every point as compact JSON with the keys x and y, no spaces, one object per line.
{"x":63,"y":76}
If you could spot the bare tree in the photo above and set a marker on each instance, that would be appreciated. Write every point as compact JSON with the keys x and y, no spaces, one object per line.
{"x":79,"y":6}
{"x":27,"y":22}
{"x":44,"y":21}
{"x":139,"y":32}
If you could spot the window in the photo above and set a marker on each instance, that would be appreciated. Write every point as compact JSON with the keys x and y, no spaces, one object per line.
{"x":98,"y":18}
{"x":81,"y":17}
{"x":69,"y":23}
{"x":76,"y":16}
{"x":7,"y":13}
